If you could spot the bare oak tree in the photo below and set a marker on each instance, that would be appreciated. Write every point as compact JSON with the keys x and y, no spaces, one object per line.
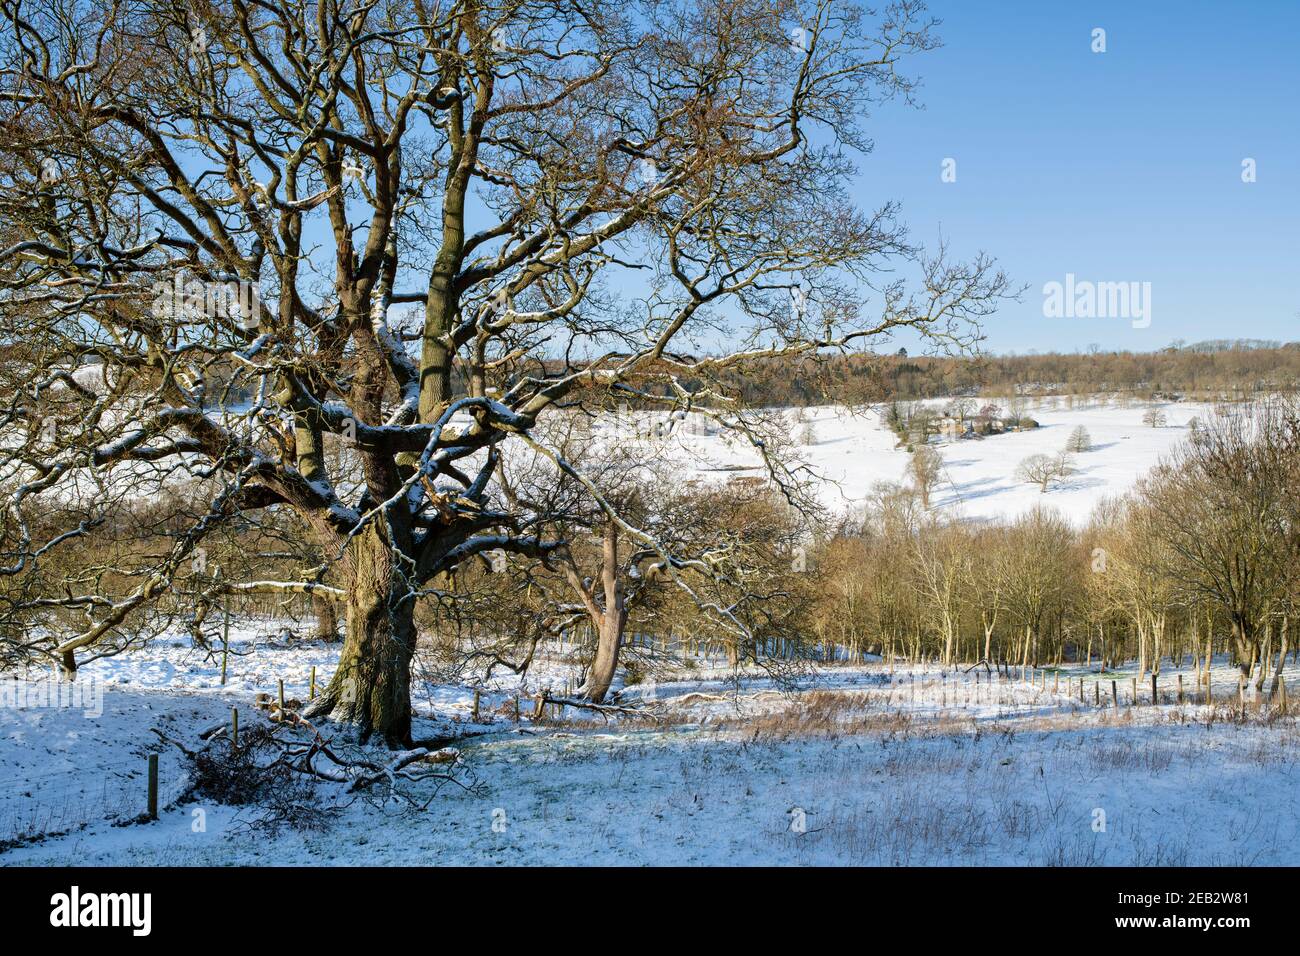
{"x":220,"y":212}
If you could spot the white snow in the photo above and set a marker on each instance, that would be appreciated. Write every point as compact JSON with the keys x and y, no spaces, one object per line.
{"x":865,"y":766}
{"x":858,"y":764}
{"x":855,"y":452}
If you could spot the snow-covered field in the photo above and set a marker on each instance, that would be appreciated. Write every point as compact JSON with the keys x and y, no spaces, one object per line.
{"x":854,"y":452}
{"x":862,"y":766}
{"x":858,"y":764}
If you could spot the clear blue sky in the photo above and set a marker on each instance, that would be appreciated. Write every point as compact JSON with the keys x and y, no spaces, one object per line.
{"x":1115,"y":166}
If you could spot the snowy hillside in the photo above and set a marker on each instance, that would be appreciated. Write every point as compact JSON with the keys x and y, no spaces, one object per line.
{"x":854,"y":452}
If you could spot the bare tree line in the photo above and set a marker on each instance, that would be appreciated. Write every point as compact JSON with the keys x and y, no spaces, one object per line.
{"x":1201,"y":557}
{"x":1197,"y":560}
{"x":1218,"y":372}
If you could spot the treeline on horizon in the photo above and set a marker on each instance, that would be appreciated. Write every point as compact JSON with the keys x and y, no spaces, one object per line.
{"x":1217,"y":370}
{"x":1211,"y":371}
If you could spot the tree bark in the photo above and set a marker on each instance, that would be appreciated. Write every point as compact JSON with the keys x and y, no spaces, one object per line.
{"x":610,"y":623}
{"x":605,"y":665}
{"x":1265,"y":657}
{"x":1243,"y":644}
{"x":370,"y":693}
{"x":1281,"y":657}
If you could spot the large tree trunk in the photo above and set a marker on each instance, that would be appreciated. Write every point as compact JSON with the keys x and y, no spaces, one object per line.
{"x":370,"y":693}
{"x":610,"y":622}
{"x":605,"y":665}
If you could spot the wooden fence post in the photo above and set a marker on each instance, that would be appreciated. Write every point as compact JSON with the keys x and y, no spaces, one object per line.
{"x":1133,"y":702}
{"x":153,"y":786}
{"x":1180,"y":688}
{"x":234,"y":728}
{"x":474,"y":713}
{"x":311,"y":692}
{"x":1155,"y":696}
{"x":1114,"y":693}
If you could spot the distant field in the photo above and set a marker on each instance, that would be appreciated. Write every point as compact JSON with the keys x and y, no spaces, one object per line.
{"x":855,"y":452}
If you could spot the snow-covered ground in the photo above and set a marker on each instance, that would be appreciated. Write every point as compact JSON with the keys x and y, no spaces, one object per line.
{"x":854,"y":452}
{"x":863,"y":765}
{"x":855,"y":764}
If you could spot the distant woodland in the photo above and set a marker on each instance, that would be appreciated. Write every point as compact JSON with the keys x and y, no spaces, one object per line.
{"x":1211,"y":371}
